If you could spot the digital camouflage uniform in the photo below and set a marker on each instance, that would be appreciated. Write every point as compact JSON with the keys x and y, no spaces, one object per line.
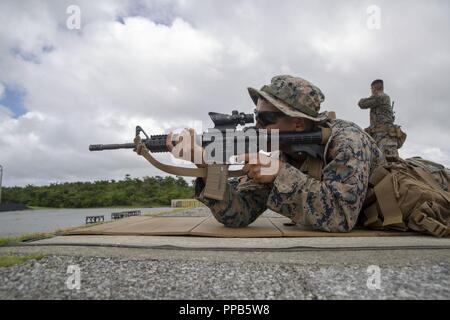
{"x":332,"y":203}
{"x":381,"y":123}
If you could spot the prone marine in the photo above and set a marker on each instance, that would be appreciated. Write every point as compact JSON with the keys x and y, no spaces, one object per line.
{"x":326,"y":194}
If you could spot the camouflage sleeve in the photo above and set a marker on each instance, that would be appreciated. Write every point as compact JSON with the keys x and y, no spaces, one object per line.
{"x":244,"y":202}
{"x":369,"y":103}
{"x":332,"y":204}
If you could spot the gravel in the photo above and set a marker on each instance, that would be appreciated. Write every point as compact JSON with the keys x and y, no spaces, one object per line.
{"x":121,"y":273}
{"x":125,"y":278}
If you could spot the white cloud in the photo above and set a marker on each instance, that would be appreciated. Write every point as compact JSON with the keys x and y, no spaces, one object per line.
{"x":173,"y":61}
{"x":5,"y":114}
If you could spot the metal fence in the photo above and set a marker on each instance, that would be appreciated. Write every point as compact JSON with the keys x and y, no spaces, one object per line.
{"x":94,"y":219}
{"x":125,"y":214}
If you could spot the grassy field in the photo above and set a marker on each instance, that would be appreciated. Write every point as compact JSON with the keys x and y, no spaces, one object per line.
{"x":27,"y":237}
{"x":9,"y":260}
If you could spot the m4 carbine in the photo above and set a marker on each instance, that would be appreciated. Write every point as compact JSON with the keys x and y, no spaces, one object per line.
{"x":223,"y":142}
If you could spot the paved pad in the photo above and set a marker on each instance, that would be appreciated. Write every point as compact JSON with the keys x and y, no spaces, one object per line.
{"x":263,"y":227}
{"x":249,"y":244}
{"x":302,"y":231}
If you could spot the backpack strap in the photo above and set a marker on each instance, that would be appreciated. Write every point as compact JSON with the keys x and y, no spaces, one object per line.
{"x":381,"y":206}
{"x":314,"y":167}
{"x":372,"y":215}
{"x":378,"y":174}
{"x":431,"y":225}
{"x":387,"y":202}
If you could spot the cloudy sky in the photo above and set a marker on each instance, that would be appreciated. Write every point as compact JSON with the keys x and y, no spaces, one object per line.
{"x":165,"y":64}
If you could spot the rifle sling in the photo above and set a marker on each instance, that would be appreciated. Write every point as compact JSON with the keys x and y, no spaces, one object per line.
{"x":142,"y":150}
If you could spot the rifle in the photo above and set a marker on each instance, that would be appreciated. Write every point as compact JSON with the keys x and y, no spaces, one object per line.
{"x":224,"y":141}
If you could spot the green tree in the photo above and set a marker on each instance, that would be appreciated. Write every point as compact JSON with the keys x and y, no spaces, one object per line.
{"x":148,"y":191}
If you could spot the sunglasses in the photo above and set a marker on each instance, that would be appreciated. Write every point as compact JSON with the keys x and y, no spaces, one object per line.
{"x":266,"y":118}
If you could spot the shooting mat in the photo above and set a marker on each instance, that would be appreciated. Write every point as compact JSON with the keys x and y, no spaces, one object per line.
{"x":263,"y":227}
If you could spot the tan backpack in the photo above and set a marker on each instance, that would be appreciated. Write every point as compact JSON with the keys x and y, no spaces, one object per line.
{"x":410,"y":194}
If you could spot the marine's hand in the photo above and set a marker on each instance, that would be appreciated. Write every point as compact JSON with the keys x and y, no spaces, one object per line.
{"x":260,"y":168}
{"x":186,"y":147}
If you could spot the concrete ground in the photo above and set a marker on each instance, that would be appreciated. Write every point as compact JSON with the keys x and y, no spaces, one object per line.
{"x":213,"y":268}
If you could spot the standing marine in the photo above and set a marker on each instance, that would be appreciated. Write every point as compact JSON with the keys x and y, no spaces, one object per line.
{"x":327,"y":195}
{"x":387,"y":135}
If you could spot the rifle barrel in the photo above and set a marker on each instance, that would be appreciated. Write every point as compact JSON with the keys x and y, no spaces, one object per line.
{"x":157,"y":143}
{"x":101,"y":147}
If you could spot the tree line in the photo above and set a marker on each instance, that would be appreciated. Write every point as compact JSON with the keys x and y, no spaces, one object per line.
{"x":148,"y":191}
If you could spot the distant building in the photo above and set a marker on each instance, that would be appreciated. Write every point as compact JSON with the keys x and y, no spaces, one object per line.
{"x":185,"y":203}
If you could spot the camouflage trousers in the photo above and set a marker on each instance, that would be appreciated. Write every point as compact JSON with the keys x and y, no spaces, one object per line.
{"x":387,"y":144}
